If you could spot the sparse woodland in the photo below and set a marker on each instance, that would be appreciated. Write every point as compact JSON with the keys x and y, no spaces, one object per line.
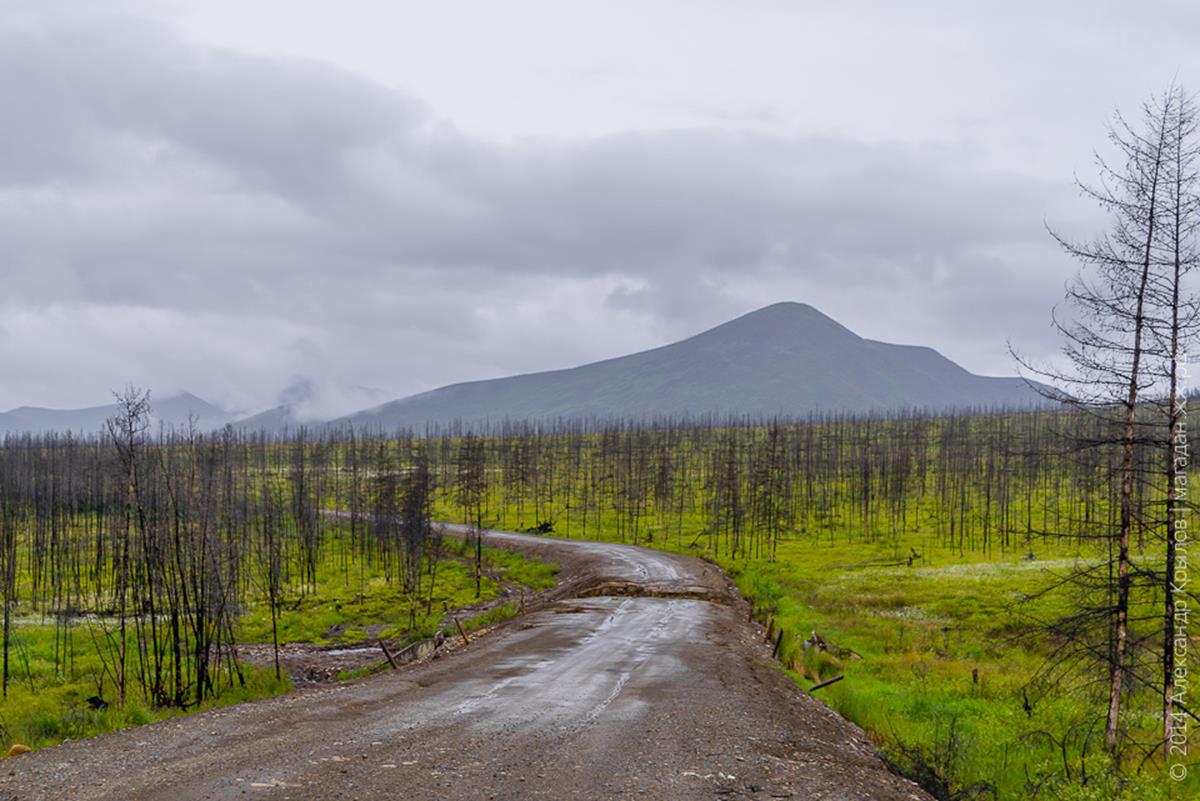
{"x":1012,"y":584}
{"x":149,"y":548}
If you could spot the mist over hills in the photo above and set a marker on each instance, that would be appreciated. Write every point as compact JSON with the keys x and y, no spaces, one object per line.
{"x":787,"y":359}
{"x":305,"y":403}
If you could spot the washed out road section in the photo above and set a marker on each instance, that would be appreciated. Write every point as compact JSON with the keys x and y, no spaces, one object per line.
{"x":661,"y":690}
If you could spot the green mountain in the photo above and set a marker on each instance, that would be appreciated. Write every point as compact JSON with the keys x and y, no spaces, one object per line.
{"x":786,"y":359}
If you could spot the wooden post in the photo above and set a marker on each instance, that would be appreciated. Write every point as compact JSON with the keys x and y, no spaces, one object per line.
{"x":461,"y":632}
{"x":391,"y":660}
{"x":778,"y":642}
{"x":522,"y":602}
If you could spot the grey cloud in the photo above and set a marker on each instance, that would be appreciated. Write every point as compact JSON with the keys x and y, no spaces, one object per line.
{"x":126,"y":86}
{"x":339,"y":228}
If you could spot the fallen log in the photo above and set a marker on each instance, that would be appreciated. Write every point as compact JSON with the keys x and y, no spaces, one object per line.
{"x":826,"y":683}
{"x":391,"y":660}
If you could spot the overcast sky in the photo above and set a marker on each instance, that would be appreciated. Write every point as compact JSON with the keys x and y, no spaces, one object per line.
{"x":233,"y":196}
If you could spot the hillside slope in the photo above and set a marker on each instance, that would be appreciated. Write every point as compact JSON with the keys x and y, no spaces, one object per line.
{"x":786,"y":359}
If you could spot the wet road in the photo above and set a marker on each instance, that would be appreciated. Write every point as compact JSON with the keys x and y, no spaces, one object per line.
{"x":589,"y":696}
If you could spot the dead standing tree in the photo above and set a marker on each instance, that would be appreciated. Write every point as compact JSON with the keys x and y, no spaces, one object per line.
{"x":8,"y":562}
{"x":416,"y":529}
{"x":1105,"y":344}
{"x":470,"y":485}
{"x":1175,"y":326}
{"x":127,"y":429}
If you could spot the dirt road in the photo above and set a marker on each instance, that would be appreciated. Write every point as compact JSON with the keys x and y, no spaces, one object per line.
{"x":637,"y":677}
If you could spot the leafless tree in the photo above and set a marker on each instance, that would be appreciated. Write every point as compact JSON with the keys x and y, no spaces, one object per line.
{"x":1175,"y":325}
{"x":1121,"y":304}
{"x":127,"y":430}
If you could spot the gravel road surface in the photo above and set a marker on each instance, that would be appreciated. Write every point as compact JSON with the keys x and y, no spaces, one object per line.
{"x":637,"y":677}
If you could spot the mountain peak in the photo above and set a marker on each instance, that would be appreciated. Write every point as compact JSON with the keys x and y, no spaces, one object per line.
{"x":786,"y":310}
{"x":780,"y":322}
{"x":787,"y":359}
{"x":786,"y":307}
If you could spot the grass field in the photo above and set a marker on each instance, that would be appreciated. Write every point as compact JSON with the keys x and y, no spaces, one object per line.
{"x":45,"y":707}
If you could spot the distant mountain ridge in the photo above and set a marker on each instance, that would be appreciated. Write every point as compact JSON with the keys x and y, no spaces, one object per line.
{"x":173,"y":412}
{"x":787,"y":360}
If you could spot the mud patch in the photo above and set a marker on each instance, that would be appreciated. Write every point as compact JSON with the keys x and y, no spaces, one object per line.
{"x":623,"y":589}
{"x":309,"y":664}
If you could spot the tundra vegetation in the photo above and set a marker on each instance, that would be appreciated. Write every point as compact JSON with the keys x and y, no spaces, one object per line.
{"x":937,"y":558}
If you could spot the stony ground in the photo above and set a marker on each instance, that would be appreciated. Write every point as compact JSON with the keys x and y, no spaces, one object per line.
{"x":637,"y":677}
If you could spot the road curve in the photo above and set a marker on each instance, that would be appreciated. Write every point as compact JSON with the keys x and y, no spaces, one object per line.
{"x":637,"y":677}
